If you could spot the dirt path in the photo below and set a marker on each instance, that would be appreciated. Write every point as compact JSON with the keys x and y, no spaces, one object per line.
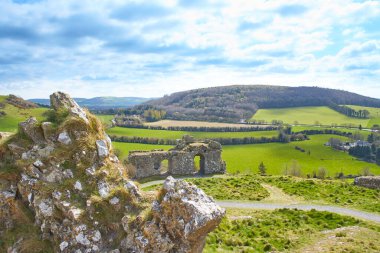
{"x":278,"y":196}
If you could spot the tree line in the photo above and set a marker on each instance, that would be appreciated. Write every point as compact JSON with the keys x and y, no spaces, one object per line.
{"x":203,"y":128}
{"x":223,"y":141}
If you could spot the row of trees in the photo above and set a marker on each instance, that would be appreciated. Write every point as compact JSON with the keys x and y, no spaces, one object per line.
{"x":223,"y":141}
{"x":195,"y":129}
{"x":348,"y":111}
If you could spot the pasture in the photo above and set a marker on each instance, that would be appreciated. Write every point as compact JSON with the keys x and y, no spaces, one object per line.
{"x":311,"y":115}
{"x":165,"y":134}
{"x":277,"y":157}
{"x":15,"y":115}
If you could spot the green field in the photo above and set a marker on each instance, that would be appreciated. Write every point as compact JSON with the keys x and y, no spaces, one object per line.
{"x":313,"y":115}
{"x":291,"y":230}
{"x":165,"y":134}
{"x":105,"y":119}
{"x":279,"y":156}
{"x":9,"y":122}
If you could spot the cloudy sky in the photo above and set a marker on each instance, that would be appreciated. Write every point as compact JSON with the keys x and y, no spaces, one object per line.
{"x":150,"y":48}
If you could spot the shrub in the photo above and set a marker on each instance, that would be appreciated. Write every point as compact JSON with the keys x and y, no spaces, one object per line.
{"x":322,"y":173}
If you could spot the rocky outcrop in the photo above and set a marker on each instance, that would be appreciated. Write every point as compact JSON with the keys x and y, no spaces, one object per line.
{"x":59,"y":100}
{"x":82,"y":199}
{"x":372,"y":182}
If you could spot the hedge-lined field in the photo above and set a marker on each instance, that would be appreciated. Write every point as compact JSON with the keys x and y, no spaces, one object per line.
{"x":279,"y":156}
{"x":307,"y":115}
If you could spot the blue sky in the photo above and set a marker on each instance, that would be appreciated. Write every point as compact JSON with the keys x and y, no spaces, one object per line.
{"x":150,"y":48}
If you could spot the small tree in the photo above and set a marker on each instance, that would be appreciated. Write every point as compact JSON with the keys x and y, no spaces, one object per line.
{"x":262,"y":169}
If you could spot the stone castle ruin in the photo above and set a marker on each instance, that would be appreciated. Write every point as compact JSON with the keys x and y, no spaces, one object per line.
{"x":181,"y":159}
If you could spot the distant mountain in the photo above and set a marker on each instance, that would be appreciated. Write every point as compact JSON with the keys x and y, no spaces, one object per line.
{"x":232,"y":103}
{"x":101,"y":102}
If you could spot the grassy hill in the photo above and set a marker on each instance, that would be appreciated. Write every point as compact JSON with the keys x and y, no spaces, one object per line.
{"x":311,"y":115}
{"x":14,"y":115}
{"x":233,"y":103}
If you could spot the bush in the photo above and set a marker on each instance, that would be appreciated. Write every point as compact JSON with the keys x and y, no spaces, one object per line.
{"x":322,"y":173}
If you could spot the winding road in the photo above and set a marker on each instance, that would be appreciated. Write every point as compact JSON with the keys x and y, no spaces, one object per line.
{"x":276,"y":203}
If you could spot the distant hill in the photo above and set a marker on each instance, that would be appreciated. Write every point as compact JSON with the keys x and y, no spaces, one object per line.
{"x":14,"y":110}
{"x":101,"y":102}
{"x":233,"y":103}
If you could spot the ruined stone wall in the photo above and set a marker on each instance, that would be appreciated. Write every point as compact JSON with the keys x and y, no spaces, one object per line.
{"x":372,"y":182}
{"x":180,"y":159}
{"x":147,"y":163}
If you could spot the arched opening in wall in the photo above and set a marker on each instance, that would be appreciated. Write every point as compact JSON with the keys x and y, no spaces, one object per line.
{"x":199,"y":164}
{"x":162,"y":166}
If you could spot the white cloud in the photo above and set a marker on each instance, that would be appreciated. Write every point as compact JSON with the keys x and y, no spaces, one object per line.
{"x":91,"y":48}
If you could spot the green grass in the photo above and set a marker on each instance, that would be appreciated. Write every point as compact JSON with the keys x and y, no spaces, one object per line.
{"x":247,"y":188}
{"x":9,"y":122}
{"x":124,"y":148}
{"x":165,"y":134}
{"x":105,"y":119}
{"x":279,"y":230}
{"x":227,"y":188}
{"x":276,"y":156}
{"x":329,"y":191}
{"x":307,"y":115}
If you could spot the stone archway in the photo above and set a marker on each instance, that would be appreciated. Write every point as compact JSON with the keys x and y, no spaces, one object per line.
{"x":199,"y":164}
{"x":161,"y":166}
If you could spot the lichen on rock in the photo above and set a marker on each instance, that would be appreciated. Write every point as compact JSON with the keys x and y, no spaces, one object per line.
{"x":82,"y":200}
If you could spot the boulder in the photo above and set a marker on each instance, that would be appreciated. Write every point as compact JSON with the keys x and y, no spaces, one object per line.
{"x":32,"y":130}
{"x":102,"y":148}
{"x":181,"y":220}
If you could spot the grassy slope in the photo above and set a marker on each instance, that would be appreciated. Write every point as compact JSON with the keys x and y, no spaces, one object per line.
{"x":246,"y":158}
{"x":164,"y":134}
{"x":336,"y":192}
{"x":282,"y":230}
{"x":14,"y":116}
{"x":307,"y":115}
